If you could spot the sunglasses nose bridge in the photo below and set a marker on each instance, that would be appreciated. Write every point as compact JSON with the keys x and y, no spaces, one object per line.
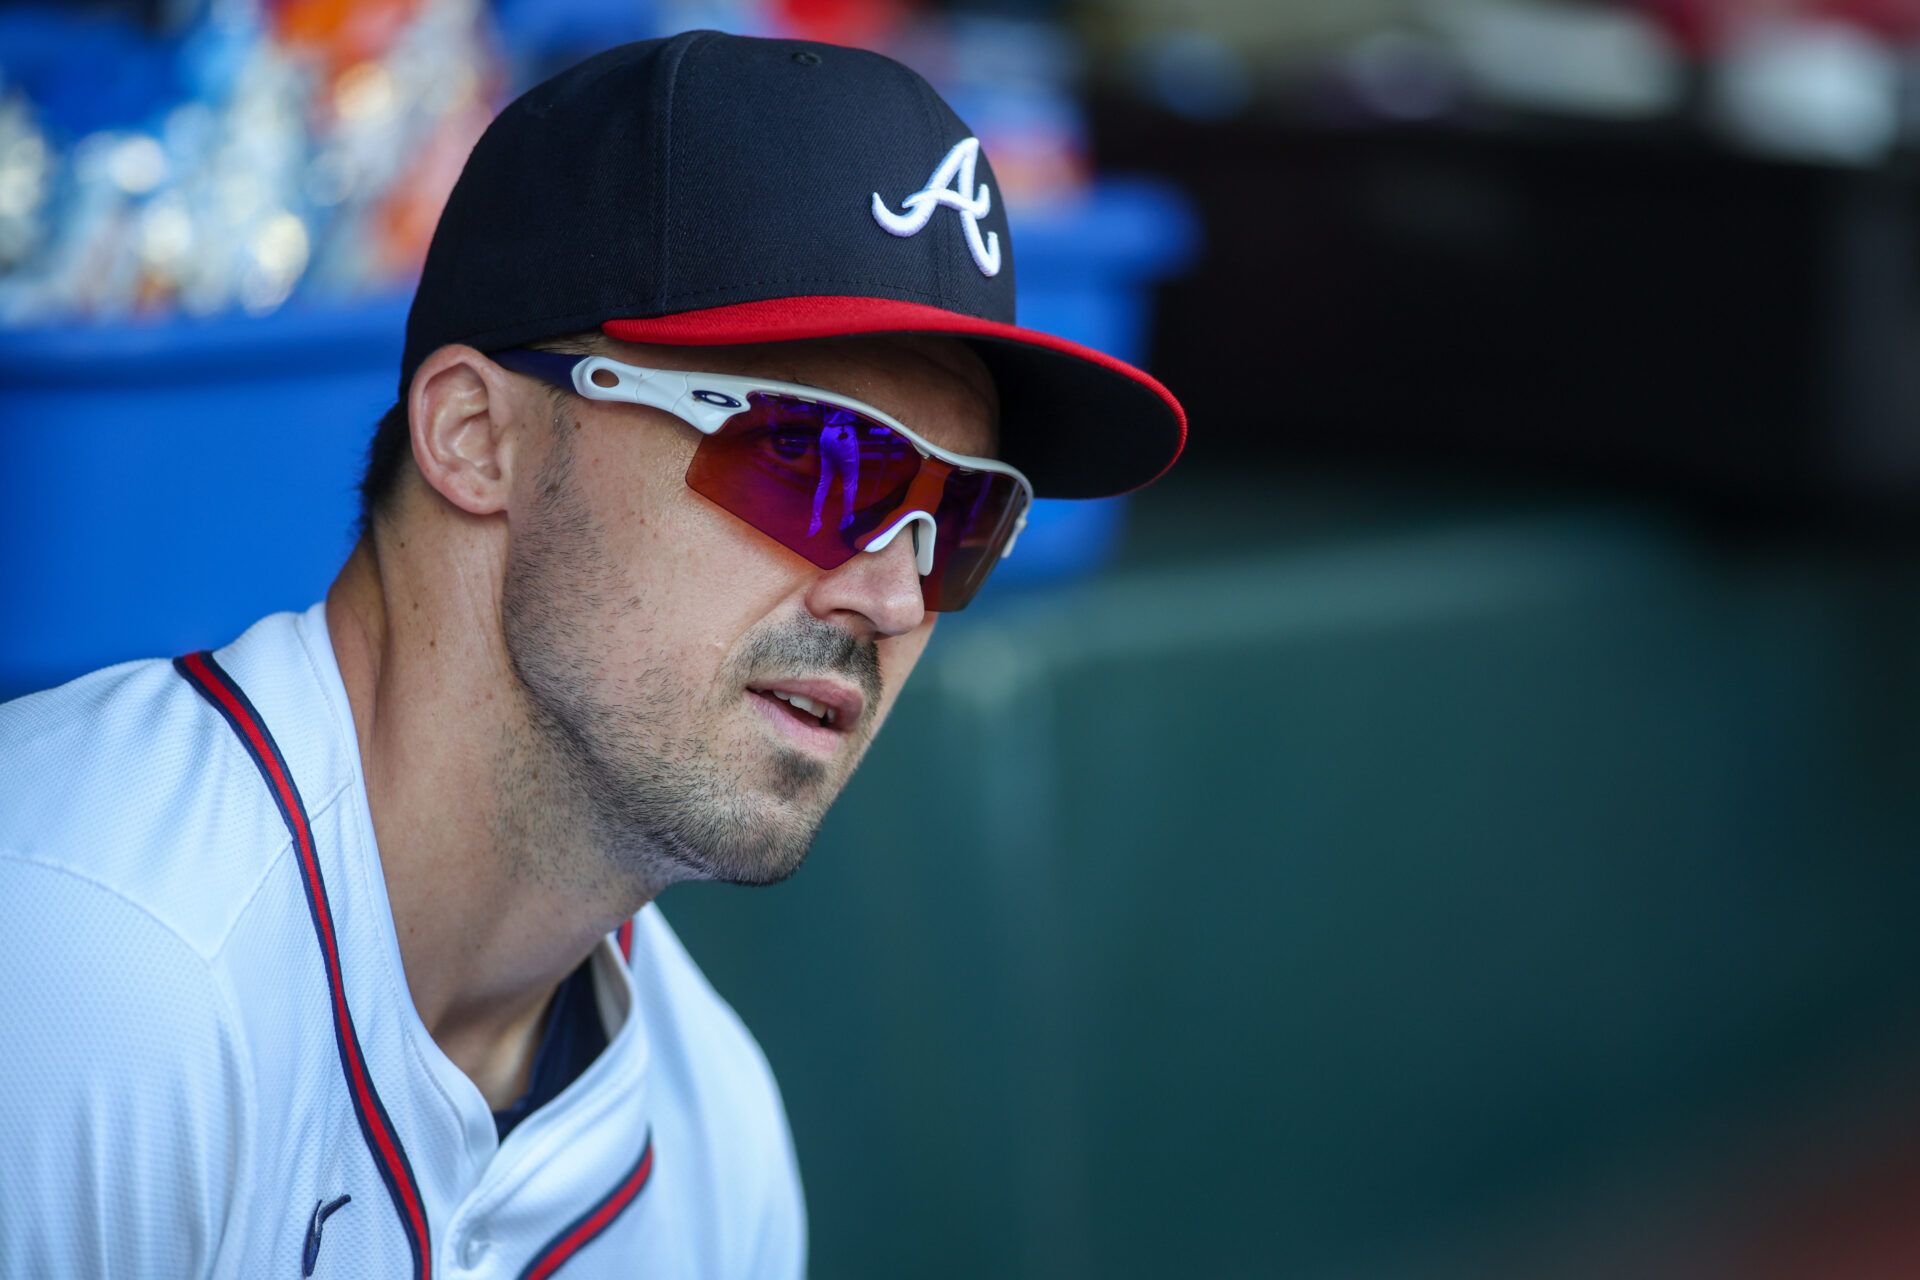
{"x":921,"y":501}
{"x":922,"y":541}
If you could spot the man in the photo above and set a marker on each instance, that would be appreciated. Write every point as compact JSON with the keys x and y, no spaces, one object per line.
{"x":334,"y":949}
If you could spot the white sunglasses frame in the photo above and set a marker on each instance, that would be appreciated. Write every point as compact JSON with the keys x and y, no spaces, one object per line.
{"x":706,"y":401}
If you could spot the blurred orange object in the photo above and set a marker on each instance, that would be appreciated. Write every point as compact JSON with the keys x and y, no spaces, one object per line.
{"x":341,"y":32}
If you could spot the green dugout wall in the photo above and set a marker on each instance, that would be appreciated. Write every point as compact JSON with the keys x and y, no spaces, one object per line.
{"x":1372,"y":900}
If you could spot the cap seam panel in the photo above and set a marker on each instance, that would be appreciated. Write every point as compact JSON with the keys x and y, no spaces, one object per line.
{"x":942,"y":250}
{"x":663,"y":196}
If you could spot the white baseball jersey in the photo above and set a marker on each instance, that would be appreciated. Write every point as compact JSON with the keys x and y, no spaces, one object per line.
{"x":212,"y":1065}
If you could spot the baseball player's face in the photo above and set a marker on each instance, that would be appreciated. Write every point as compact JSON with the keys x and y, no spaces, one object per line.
{"x":710,"y":690}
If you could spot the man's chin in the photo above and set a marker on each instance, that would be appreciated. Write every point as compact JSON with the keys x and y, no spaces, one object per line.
{"x":749,"y":826}
{"x":763,"y":863}
{"x":767,"y":847}
{"x":769,"y":873}
{"x":798,"y":779}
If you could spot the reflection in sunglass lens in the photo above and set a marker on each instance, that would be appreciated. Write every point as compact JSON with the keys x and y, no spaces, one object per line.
{"x":816,"y":478}
{"x":977,"y":512}
{"x":823,"y":480}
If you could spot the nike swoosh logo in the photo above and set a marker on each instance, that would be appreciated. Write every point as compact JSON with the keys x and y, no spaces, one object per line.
{"x":321,"y":1212}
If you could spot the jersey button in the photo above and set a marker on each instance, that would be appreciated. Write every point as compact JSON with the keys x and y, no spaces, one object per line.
{"x":474,"y":1250}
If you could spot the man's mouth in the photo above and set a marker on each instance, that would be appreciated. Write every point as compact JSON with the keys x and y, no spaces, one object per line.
{"x":817,"y":713}
{"x":818,"y":710}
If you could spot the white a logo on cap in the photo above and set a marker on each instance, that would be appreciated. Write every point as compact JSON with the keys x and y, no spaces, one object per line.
{"x":951,"y":185}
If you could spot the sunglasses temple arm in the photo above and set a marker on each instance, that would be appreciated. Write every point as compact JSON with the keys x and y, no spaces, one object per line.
{"x":549,"y":366}
{"x":1019,"y":526}
{"x":669,"y":390}
{"x":702,"y":400}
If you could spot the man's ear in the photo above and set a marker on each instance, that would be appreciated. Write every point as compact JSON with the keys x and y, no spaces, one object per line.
{"x":460,"y":411}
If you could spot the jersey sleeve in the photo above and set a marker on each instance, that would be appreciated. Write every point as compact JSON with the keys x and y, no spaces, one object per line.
{"x":124,"y":1087}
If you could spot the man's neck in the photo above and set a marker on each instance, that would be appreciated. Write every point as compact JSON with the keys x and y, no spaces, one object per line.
{"x":484,"y":940}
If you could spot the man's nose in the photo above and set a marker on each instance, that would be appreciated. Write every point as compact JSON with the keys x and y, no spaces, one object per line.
{"x":879,"y":589}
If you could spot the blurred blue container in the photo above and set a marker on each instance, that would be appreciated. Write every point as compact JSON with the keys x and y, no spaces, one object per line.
{"x":170,"y":483}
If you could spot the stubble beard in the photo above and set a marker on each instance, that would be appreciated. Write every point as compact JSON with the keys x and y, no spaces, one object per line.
{"x":616,"y":763}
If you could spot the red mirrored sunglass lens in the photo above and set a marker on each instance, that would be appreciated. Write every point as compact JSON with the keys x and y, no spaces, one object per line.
{"x":823,"y":481}
{"x":977,"y":514}
{"x":817,"y":479}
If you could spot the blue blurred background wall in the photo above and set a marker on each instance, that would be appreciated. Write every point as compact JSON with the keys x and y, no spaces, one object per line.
{"x":1463,"y":822}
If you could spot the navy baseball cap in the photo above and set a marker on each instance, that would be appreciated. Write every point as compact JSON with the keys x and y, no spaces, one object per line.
{"x":710,"y":190}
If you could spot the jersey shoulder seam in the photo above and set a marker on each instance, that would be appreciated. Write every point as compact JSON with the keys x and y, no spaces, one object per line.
{"x":237,"y":757}
{"x":268,"y":866}
{"x":112,"y":891}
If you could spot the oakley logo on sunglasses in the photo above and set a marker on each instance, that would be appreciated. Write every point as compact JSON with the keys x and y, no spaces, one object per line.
{"x":951,"y":185}
{"x":718,"y":398}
